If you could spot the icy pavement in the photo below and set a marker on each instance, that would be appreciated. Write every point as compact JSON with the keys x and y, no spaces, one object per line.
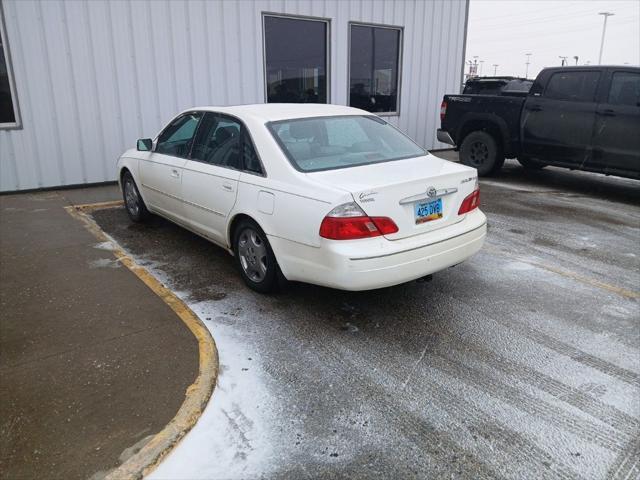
{"x":522,"y":362}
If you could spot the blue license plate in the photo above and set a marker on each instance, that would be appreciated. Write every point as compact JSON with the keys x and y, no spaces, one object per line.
{"x":427,"y":211}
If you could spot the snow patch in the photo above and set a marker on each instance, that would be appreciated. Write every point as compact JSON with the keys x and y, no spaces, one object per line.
{"x":109,"y":246}
{"x":232,"y":439}
{"x":518,"y":266}
{"x":104,"y":263}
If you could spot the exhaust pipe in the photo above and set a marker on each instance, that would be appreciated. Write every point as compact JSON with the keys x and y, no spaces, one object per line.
{"x":426,"y":278}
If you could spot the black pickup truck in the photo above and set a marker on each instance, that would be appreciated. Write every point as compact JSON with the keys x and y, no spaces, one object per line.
{"x":585,"y":118}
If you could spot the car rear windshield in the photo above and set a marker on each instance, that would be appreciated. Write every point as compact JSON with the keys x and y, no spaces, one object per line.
{"x":325,"y":143}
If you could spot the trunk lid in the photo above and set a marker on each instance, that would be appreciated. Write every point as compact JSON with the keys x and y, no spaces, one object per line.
{"x":392,"y":189}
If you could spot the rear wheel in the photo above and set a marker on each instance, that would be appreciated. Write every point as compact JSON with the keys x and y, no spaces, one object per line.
{"x":531,"y":164}
{"x":481,"y":151}
{"x":133,"y":202}
{"x":256,"y":261}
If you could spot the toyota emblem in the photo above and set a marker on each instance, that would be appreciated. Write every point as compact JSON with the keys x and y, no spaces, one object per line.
{"x":432,"y":192}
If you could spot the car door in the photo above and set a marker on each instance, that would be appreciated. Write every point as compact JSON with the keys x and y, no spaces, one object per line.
{"x":616,"y":138}
{"x":161,"y":172}
{"x":557,"y":125}
{"x":210,"y":177}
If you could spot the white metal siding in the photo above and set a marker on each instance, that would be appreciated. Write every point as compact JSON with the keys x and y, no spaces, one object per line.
{"x":92,"y":77}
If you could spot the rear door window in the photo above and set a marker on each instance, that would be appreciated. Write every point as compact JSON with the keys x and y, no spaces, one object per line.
{"x":218,"y":142}
{"x":573,"y":86}
{"x":625,"y":89}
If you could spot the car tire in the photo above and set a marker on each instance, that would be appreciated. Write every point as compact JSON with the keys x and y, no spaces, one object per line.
{"x":133,"y":202}
{"x":531,"y":164}
{"x":481,"y":151}
{"x":255,"y":259}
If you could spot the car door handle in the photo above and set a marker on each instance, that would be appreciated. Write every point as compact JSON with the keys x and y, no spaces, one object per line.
{"x":228,"y":187}
{"x":175,"y":173}
{"x":607,"y":113}
{"x":535,"y":108}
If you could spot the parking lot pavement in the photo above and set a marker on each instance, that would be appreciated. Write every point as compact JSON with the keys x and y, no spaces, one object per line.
{"x":91,"y":361}
{"x":523,"y":362}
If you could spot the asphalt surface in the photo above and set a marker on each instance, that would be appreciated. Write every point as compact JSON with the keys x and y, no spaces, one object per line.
{"x":92,"y":362}
{"x":523,"y":362}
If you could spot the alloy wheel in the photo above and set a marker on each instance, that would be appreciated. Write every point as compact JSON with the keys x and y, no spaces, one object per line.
{"x":479,"y":153}
{"x":252,"y":253}
{"x":131,"y":197}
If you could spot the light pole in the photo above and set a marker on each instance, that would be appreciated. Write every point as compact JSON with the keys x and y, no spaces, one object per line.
{"x":564,"y":60}
{"x":604,"y":29}
{"x":495,"y":69}
{"x":526,"y":74}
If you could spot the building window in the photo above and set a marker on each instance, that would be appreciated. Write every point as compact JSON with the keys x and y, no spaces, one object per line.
{"x":374,"y":68}
{"x":8,"y":106}
{"x":295,"y":55}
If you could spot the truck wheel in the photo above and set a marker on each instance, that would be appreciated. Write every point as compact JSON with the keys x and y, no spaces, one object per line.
{"x":531,"y":164}
{"x":480,"y":151}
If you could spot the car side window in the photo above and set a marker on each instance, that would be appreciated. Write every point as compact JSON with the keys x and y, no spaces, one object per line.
{"x":176,"y":139}
{"x":572,"y":86}
{"x":251,"y":160}
{"x":218,"y":142}
{"x":625,"y":89}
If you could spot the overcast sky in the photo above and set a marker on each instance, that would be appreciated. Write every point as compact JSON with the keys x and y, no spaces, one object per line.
{"x":502,"y":31}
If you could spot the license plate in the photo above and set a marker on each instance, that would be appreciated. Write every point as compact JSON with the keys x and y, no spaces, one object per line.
{"x":427,"y":211}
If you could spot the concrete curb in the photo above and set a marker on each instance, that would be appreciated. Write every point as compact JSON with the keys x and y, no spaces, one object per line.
{"x":198,"y":393}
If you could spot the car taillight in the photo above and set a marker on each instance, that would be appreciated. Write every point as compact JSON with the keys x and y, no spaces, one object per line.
{"x":443,"y":109}
{"x":349,"y":222}
{"x":470,"y":203}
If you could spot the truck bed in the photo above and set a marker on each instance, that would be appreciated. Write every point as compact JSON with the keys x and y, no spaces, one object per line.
{"x":464,"y":112}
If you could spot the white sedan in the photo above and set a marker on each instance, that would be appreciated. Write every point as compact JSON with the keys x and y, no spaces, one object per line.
{"x":324,"y":194}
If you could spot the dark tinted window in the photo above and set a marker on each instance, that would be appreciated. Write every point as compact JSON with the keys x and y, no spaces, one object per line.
{"x":573,"y":86}
{"x":218,"y":141}
{"x":177,"y":137}
{"x":518,"y":86}
{"x":374,"y":67}
{"x":7,"y":108}
{"x":296,"y":60}
{"x":625,"y":89}
{"x":483,"y":88}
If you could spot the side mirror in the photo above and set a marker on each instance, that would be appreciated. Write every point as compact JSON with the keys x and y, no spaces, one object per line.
{"x":145,"y":144}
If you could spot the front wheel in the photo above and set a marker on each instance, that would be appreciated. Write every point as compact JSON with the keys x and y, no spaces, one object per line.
{"x":133,"y":202}
{"x":481,"y":151}
{"x":255,"y":259}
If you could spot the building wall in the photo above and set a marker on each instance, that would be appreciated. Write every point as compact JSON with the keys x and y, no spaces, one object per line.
{"x":92,"y":77}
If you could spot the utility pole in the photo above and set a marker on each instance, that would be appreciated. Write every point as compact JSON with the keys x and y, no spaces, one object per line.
{"x":604,"y":29}
{"x":495,"y":69}
{"x":470,"y":74}
{"x":526,"y":74}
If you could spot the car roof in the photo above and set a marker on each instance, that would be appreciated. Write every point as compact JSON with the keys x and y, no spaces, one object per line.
{"x":270,"y":112}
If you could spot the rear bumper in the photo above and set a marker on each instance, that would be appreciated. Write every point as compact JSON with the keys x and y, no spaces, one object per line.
{"x":444,"y":137}
{"x":377,"y":262}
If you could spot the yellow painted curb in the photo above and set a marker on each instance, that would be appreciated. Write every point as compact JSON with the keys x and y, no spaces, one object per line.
{"x":198,"y":393}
